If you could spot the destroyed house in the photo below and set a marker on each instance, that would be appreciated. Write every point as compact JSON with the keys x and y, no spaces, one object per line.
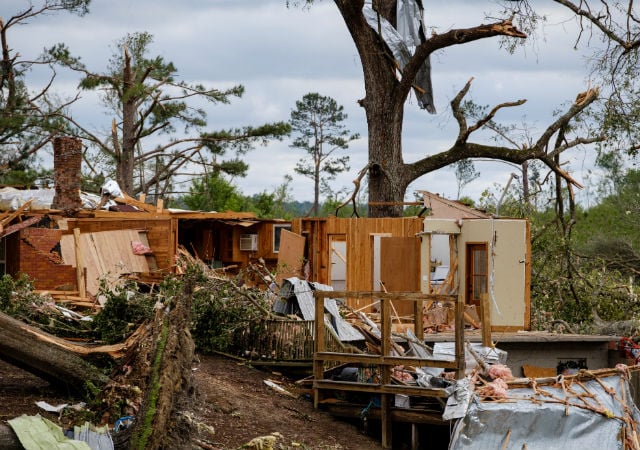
{"x":67,"y":241}
{"x":72,"y":254}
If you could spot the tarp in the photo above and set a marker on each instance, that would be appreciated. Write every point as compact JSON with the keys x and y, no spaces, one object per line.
{"x":594,"y":414}
{"x":12,"y":199}
{"x":401,"y":41}
{"x":38,"y":433}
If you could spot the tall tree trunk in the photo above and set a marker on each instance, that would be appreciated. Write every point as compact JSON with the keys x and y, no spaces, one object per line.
{"x":384,"y":106}
{"x":124,"y":169}
{"x":316,"y":189}
{"x":387,"y":182}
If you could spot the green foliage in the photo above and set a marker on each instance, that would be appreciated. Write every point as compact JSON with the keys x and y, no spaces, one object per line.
{"x":589,"y":272}
{"x":18,"y":300}
{"x":124,"y":311}
{"x":16,"y":296}
{"x":218,"y":311}
{"x":616,"y":217}
{"x":214,"y":193}
{"x":25,"y":176}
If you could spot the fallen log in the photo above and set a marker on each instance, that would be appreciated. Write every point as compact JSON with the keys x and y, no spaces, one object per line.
{"x":33,"y":350}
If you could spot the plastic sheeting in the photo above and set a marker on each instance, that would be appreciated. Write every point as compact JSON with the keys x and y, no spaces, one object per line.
{"x":581,"y":416}
{"x":12,"y":199}
{"x":490,"y":355}
{"x":410,"y":33}
{"x":38,"y":433}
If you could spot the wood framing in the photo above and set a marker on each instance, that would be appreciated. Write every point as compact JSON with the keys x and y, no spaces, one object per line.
{"x":359,"y":234}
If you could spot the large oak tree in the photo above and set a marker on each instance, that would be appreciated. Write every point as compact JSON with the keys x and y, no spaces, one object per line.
{"x":389,"y":80}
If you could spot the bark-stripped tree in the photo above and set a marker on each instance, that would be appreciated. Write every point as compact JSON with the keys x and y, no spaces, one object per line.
{"x":390,"y":76}
{"x":149,"y":101}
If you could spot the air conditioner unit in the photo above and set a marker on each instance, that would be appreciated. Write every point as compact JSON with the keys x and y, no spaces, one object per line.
{"x":249,"y":242}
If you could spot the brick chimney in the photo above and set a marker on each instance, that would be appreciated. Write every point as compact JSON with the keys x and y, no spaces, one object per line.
{"x":67,"y":159}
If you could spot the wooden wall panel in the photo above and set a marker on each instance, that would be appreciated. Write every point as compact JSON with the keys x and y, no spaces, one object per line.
{"x":291,"y":256}
{"x":161,"y":233}
{"x":358,"y":234}
{"x":400,"y":269}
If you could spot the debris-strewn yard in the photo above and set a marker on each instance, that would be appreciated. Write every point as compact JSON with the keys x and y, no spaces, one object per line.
{"x":231,"y":397}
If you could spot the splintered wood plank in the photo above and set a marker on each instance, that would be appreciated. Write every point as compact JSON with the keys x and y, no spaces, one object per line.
{"x":105,"y":254}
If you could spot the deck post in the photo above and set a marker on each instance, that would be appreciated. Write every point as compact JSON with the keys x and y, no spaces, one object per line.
{"x":385,"y":399}
{"x":319,"y":345}
{"x":486,"y":320}
{"x":459,"y":344}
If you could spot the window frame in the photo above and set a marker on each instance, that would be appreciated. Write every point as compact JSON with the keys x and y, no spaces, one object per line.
{"x":276,"y":235}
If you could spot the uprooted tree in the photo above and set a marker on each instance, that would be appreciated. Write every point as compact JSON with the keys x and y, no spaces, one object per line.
{"x":390,"y":75}
{"x":151,"y":376}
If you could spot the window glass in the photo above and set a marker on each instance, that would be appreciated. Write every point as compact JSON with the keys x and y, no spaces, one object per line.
{"x":277,"y":232}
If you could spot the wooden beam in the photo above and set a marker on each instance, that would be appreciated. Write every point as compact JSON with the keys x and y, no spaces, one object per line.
{"x":128,"y":200}
{"x":386,"y":360}
{"x":82,"y":287}
{"x":485,"y":311}
{"x":19,"y":226}
{"x":319,"y":346}
{"x":16,"y":213}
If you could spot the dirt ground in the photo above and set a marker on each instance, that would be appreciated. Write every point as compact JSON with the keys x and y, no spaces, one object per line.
{"x":232,"y":398}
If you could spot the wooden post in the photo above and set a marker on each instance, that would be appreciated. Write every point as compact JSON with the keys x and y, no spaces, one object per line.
{"x":428,"y":238}
{"x":318,"y":364}
{"x":418,"y":314}
{"x":485,"y":311}
{"x":82,"y":287}
{"x":385,"y":399}
{"x":459,"y":327}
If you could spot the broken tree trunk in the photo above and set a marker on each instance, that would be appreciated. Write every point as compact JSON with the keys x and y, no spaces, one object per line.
{"x":164,"y":360}
{"x":33,"y":350}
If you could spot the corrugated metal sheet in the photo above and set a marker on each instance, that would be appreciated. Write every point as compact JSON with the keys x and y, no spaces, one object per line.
{"x":301,"y":292}
{"x":593,"y":414}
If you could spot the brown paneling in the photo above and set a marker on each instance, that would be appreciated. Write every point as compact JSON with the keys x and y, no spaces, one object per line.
{"x":400,"y":268}
{"x":291,"y":255}
{"x":160,"y":233}
{"x":358,"y":232}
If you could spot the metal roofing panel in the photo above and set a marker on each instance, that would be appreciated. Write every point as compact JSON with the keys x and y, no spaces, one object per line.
{"x":303,"y":293}
{"x":587,"y":415}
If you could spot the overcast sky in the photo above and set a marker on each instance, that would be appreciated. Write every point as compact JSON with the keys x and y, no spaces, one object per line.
{"x":281,"y":54}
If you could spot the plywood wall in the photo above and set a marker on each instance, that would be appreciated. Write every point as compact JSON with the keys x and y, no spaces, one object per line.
{"x":358,"y":234}
{"x":161,"y":234}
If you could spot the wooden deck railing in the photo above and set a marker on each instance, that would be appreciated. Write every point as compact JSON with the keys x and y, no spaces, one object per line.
{"x":386,"y":360}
